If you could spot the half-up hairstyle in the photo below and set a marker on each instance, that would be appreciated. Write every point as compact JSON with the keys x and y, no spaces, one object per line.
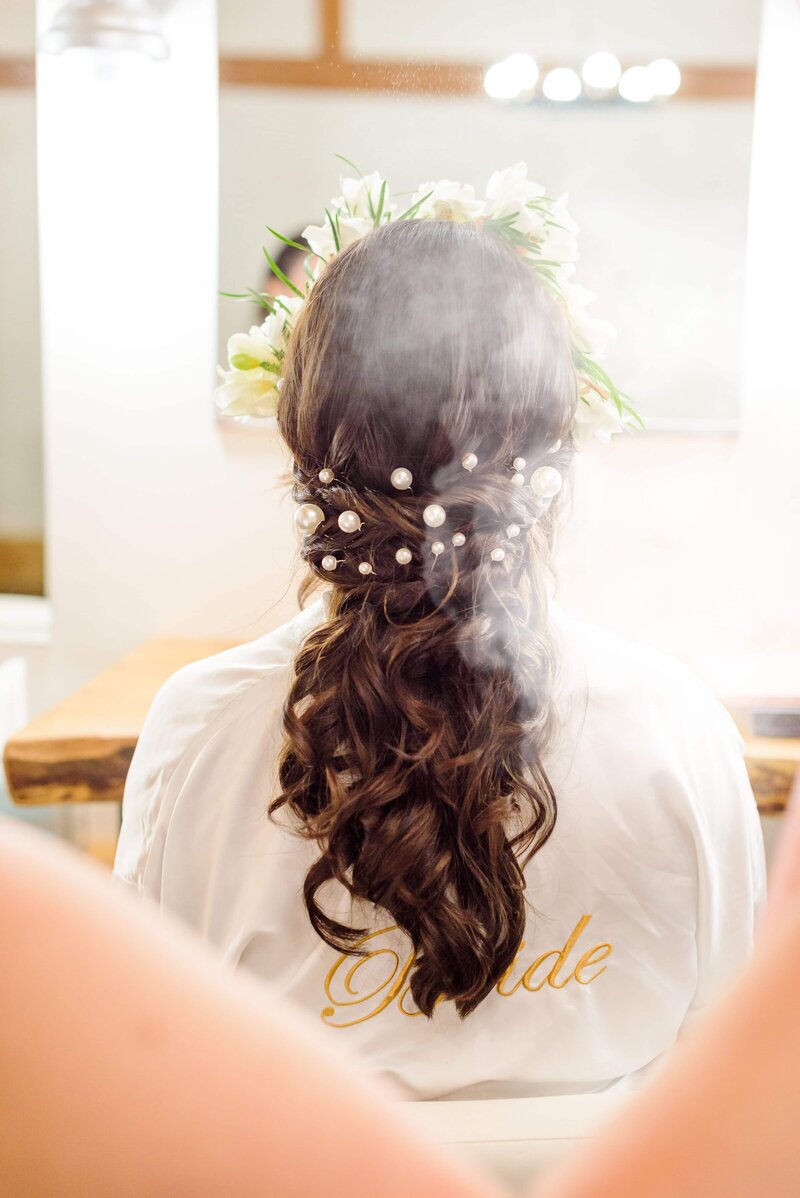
{"x":419,"y":711}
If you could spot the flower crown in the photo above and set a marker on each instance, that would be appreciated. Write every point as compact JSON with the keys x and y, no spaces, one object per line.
{"x":515,"y":209}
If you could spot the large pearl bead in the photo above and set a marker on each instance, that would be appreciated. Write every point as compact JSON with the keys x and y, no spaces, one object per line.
{"x":325,"y":476}
{"x":469,"y":461}
{"x":329,"y":562}
{"x":364,"y":568}
{"x":403,"y":556}
{"x":349,"y":521}
{"x":434,"y":515}
{"x":458,"y":539}
{"x":498,"y":555}
{"x":401,"y":479}
{"x":546,"y":482}
{"x":308,"y":517}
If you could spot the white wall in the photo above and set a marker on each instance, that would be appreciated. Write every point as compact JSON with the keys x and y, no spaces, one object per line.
{"x":156,"y":522}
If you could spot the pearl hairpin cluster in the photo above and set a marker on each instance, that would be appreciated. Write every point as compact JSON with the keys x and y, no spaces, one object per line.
{"x":545,"y":483}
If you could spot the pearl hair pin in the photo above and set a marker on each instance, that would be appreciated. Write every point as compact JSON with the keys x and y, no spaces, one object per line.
{"x":403,"y":556}
{"x":401,"y":479}
{"x":349,"y":521}
{"x":518,"y":479}
{"x":437,"y":547}
{"x":469,"y":461}
{"x":458,"y":539}
{"x":546,"y":482}
{"x":329,"y":562}
{"x":497,"y":555}
{"x":434,"y":515}
{"x":308,"y":517}
{"x":555,"y":448}
{"x":513,"y":530}
{"x":519,"y":464}
{"x":364,"y":568}
{"x":325,"y":476}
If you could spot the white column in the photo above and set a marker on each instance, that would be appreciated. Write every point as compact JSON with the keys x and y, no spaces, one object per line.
{"x":157,"y":523}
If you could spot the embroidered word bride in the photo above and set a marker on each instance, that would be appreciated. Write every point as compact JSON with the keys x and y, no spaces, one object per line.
{"x":352,"y":1005}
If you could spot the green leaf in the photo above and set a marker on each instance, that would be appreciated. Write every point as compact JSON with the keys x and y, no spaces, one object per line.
{"x":276,"y":270}
{"x":335,"y":230}
{"x":347,"y":162}
{"x":296,"y":245}
{"x":381,"y":202}
{"x":411,"y":212}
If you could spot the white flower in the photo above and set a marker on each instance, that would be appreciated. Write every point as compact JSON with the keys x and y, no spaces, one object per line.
{"x":508,"y":193}
{"x":590,"y":336}
{"x":350,"y":229}
{"x":245,"y":393}
{"x":361,"y":197}
{"x":448,"y":201}
{"x":561,"y":237}
{"x":596,"y":418}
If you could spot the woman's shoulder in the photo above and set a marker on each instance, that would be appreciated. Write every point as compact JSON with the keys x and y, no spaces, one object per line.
{"x":203,"y":698}
{"x":639,"y":710}
{"x":616,"y":671}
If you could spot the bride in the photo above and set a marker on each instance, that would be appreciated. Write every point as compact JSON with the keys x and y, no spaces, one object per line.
{"x":496,"y":851}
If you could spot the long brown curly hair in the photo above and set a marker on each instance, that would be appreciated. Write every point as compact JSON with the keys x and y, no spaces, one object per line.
{"x":415,"y":725}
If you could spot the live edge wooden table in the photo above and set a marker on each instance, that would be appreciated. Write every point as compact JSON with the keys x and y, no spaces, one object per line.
{"x":80,"y":750}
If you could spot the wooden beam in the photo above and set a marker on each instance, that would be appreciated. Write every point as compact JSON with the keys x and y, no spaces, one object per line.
{"x":330,"y":21}
{"x":442,"y":79}
{"x":718,"y":82}
{"x":17,"y":72}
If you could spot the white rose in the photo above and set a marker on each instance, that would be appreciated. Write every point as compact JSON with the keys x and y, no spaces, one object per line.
{"x":508,"y":193}
{"x":596,"y":419}
{"x":448,"y":201}
{"x":244,"y":393}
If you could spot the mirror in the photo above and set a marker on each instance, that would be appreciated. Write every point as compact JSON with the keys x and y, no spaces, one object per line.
{"x":21,"y":480}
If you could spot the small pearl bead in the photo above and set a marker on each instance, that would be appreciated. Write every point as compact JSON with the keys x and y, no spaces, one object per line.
{"x":437,"y":547}
{"x":458,"y":539}
{"x":546,"y":482}
{"x":329,"y":562}
{"x":469,"y":461}
{"x":308,"y":516}
{"x":364,"y":568}
{"x":349,"y":521}
{"x":519,"y":463}
{"x":513,"y":530}
{"x":403,"y":556}
{"x":401,"y":479}
{"x":326,"y":476}
{"x":498,"y":555}
{"x":555,"y":448}
{"x":434,"y":515}
{"x":518,"y":478}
